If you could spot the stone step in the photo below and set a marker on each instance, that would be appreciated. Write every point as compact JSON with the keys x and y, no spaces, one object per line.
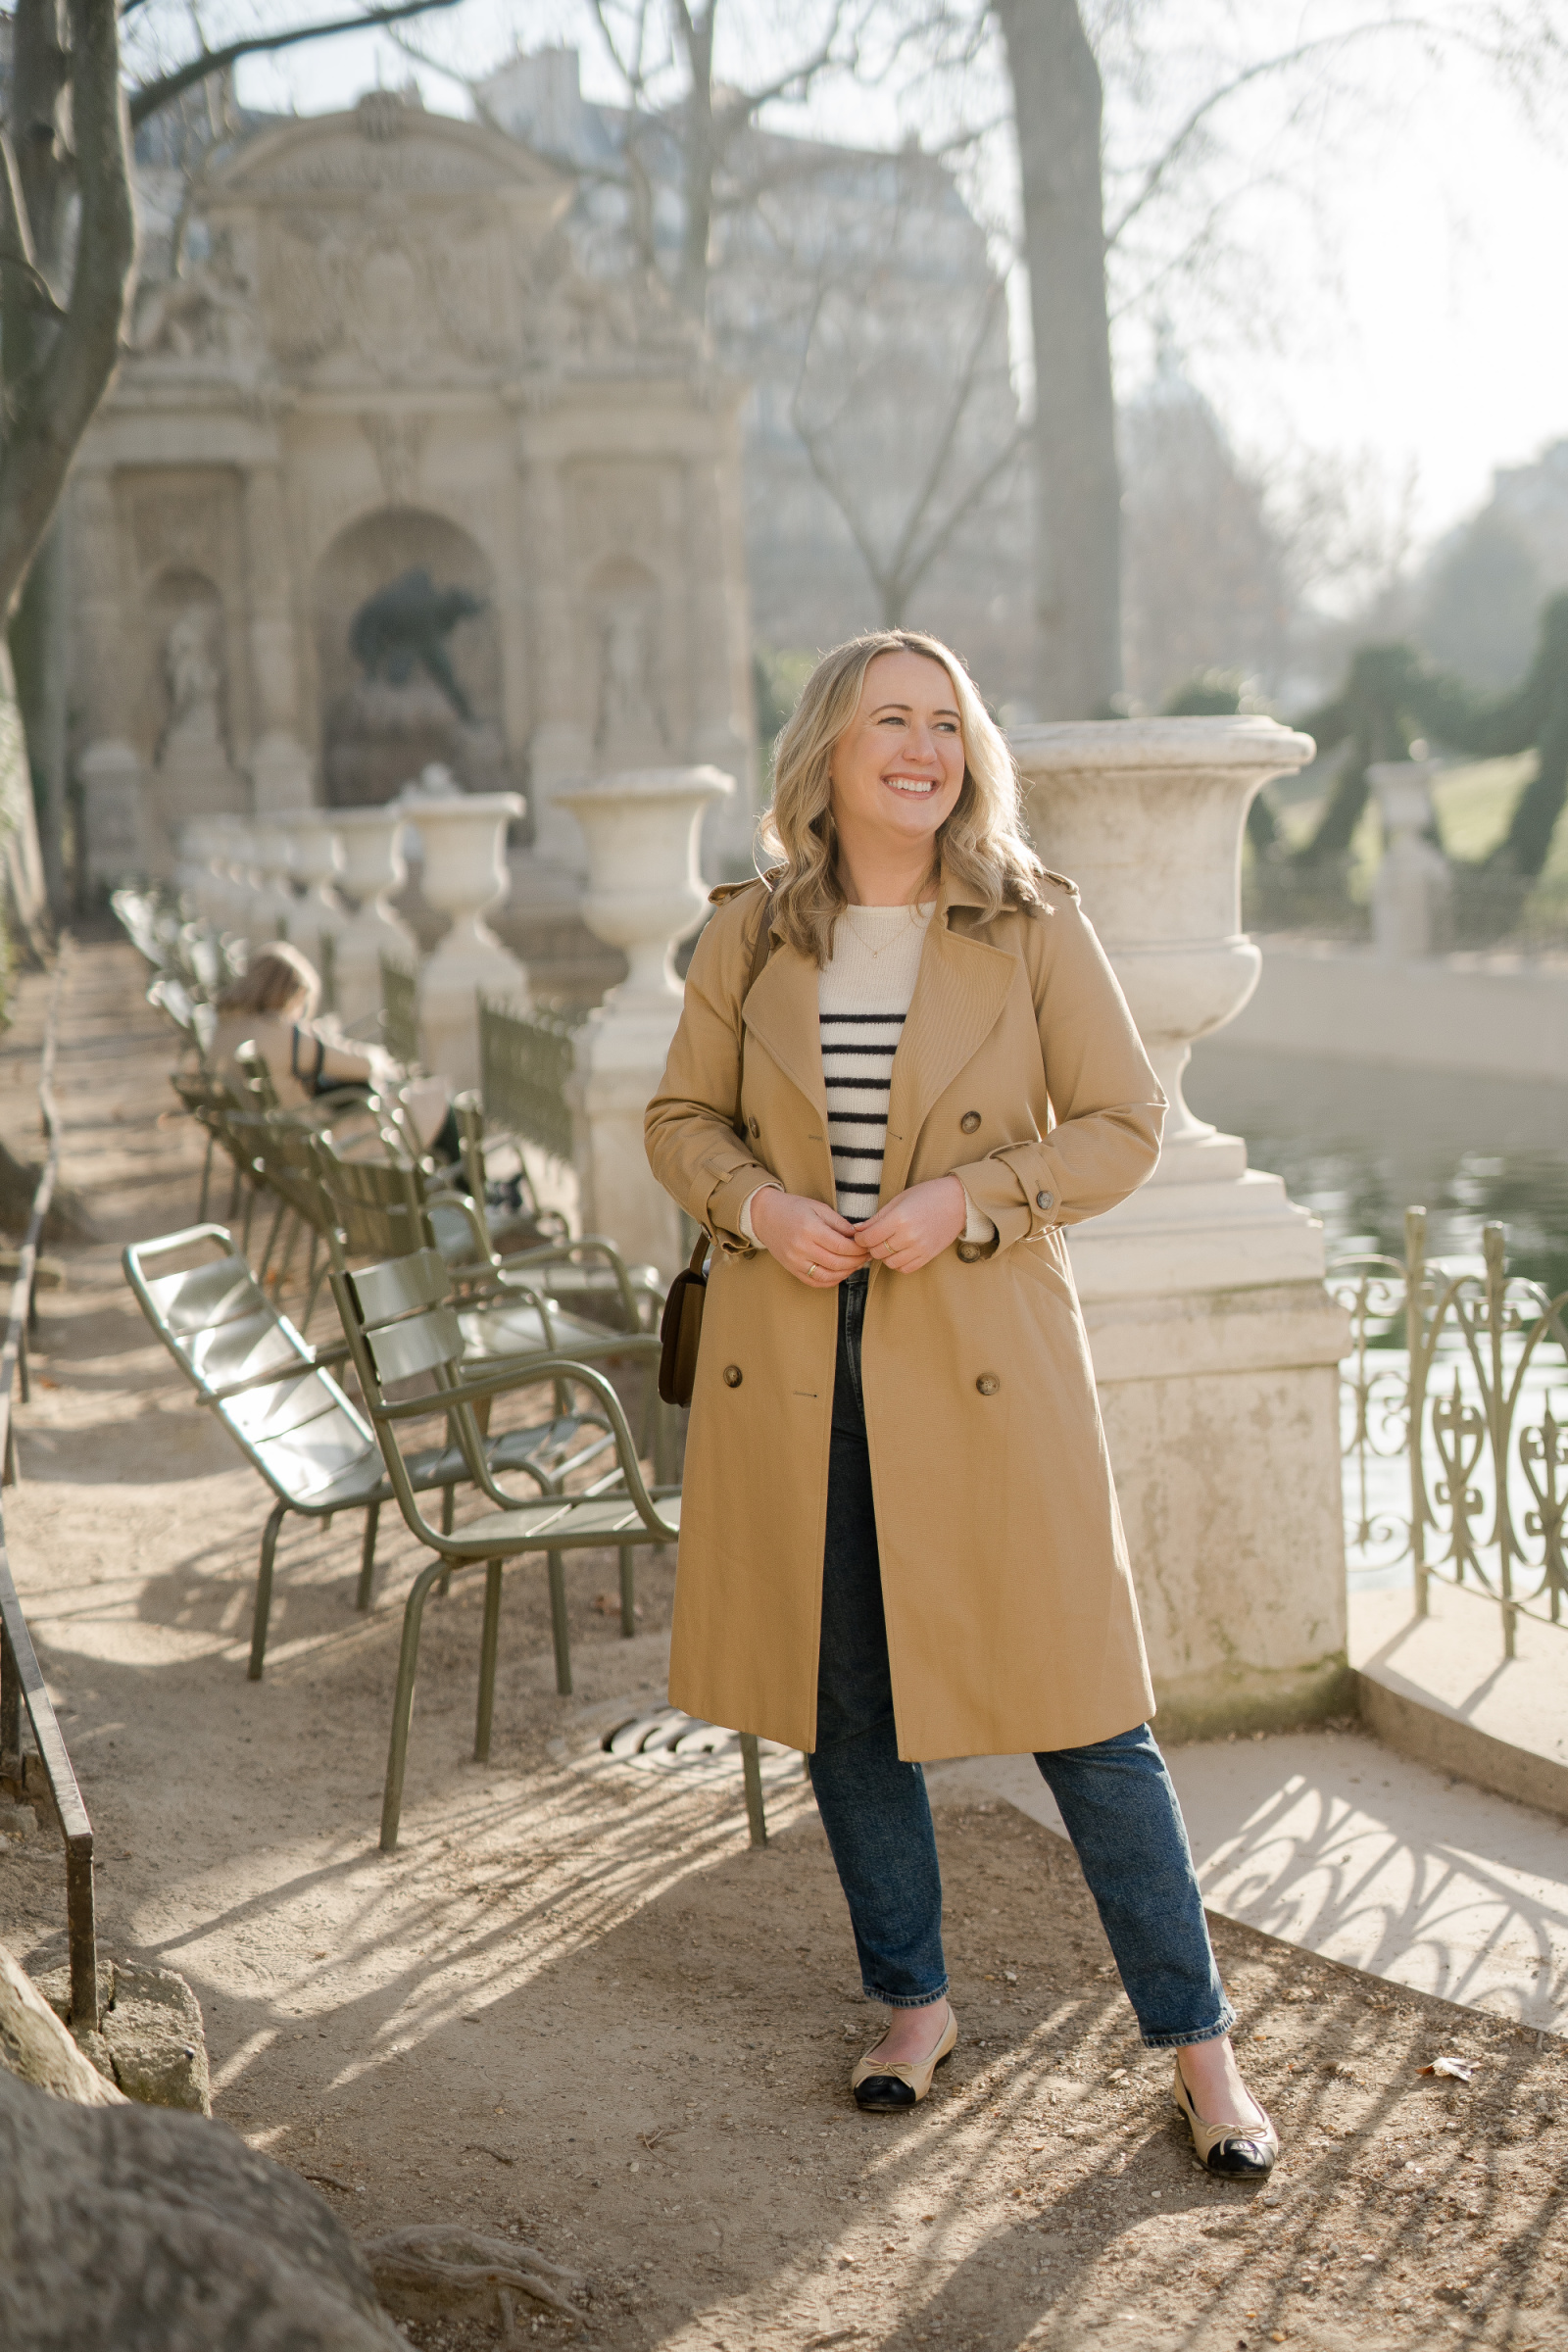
{"x":1438,"y":1688}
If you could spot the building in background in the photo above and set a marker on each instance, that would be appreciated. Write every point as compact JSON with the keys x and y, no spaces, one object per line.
{"x":855,"y":293}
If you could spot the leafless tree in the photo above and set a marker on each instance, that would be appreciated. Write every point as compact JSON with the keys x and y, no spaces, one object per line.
{"x":887,"y":363}
{"x":1119,"y":209}
{"x":68,"y":250}
{"x":665,"y":53}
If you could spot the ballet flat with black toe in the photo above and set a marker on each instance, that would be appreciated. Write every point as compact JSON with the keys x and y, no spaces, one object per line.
{"x":882,"y":2087}
{"x":1232,"y":2151}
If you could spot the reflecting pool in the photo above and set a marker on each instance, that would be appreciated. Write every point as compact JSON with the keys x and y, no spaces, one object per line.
{"x":1358,"y":1146}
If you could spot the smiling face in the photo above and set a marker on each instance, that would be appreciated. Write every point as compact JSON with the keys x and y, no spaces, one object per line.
{"x":897,"y":771}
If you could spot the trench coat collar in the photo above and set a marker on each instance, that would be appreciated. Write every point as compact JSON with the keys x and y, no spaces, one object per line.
{"x":781,"y":1013}
{"x":959,"y":992}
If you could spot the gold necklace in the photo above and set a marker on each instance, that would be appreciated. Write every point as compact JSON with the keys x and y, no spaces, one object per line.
{"x":859,"y":937}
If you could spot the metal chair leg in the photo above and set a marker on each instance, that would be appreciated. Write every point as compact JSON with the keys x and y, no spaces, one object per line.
{"x":365,"y":1593}
{"x":751,"y":1770}
{"x":488,"y":1648}
{"x":273,"y":1232}
{"x":449,"y":1508}
{"x":628,"y":1594}
{"x":23,"y":1373}
{"x":264,"y":1591}
{"x":207,"y":1177}
{"x":403,"y":1705}
{"x":557,"y":1623}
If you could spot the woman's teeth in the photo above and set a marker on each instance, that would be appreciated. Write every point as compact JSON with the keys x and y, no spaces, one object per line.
{"x":909,"y":784}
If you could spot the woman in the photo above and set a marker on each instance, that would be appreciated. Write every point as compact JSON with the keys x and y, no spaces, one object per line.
{"x":899,"y":1536}
{"x":273,"y":1006}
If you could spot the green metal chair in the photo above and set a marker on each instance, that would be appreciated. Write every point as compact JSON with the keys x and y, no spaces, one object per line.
{"x":384,"y":1209}
{"x":410,"y":1356}
{"x":279,"y":1402}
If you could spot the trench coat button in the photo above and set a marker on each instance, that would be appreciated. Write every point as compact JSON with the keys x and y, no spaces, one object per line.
{"x":733,"y":1376}
{"x":969,"y":1252}
{"x":988,"y":1383}
{"x":969,"y":1121}
{"x":1045,"y":1200}
{"x":753,"y":1129}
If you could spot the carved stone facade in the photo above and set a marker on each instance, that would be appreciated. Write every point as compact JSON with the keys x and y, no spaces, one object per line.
{"x":385,"y":373}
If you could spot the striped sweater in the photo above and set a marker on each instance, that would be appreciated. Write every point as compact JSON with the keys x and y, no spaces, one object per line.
{"x":863,"y":996}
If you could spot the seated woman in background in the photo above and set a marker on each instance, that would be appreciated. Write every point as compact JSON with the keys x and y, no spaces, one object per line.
{"x":273,"y":1006}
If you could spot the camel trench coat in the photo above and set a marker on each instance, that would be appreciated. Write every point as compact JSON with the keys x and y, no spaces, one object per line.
{"x":1012,"y":1622}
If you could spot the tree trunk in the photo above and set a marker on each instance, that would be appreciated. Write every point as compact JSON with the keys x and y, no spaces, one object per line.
{"x":1057,"y":104}
{"x":39,"y":659}
{"x":57,"y":373}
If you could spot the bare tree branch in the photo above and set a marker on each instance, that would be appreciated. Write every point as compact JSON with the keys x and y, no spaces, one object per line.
{"x":154,"y":95}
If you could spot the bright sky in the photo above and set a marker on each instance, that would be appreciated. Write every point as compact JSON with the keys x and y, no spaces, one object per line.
{"x":1409,"y":310}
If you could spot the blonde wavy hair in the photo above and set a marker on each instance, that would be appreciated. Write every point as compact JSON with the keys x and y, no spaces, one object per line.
{"x":983,"y":844}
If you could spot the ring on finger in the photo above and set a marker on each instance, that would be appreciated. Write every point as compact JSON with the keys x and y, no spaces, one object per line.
{"x":809,"y":1273}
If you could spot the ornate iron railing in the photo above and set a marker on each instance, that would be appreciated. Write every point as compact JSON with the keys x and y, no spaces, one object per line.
{"x":1456,"y":1444}
{"x":524,"y":1062}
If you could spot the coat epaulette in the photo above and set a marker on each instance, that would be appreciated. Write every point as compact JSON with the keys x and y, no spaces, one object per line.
{"x":1062,"y":881}
{"x":725,"y":891}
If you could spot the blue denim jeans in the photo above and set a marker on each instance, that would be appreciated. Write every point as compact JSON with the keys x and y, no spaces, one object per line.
{"x":1115,"y":1797}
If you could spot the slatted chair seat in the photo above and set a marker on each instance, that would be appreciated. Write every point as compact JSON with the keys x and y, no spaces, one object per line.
{"x":278,"y":1398}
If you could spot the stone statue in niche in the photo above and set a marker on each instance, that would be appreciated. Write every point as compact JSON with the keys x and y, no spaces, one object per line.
{"x":195,"y":682}
{"x":410,"y":708}
{"x":408,"y":623}
{"x":629,"y":724}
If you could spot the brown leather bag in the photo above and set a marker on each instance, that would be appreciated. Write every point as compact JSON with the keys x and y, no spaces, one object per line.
{"x":680,"y":1327}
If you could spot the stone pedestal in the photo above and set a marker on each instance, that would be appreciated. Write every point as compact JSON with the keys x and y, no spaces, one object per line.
{"x":274,"y":908}
{"x":463,"y":841}
{"x":1215,"y":1345}
{"x":320,"y":916}
{"x":111,"y":776}
{"x":1412,"y":898}
{"x":371,"y":870}
{"x":645,"y":893}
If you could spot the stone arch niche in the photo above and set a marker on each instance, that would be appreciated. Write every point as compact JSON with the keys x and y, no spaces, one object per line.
{"x":184,"y":712}
{"x":631,"y":725}
{"x":409,"y":659}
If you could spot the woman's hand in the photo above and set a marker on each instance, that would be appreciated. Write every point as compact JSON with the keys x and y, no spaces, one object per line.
{"x":916,"y":1226}
{"x":810,"y":1239}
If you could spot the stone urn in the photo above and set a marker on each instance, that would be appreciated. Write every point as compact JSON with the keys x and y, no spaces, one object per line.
{"x":463,"y":836}
{"x":1215,"y":1344}
{"x":1146,"y":817}
{"x":371,"y":869}
{"x":645,"y":893}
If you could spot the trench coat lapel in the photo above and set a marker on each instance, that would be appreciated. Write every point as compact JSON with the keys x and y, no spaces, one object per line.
{"x":958,"y":995}
{"x":781,"y":1013}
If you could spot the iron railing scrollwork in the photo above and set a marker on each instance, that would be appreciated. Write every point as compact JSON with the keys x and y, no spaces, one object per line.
{"x":1471,"y":1411}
